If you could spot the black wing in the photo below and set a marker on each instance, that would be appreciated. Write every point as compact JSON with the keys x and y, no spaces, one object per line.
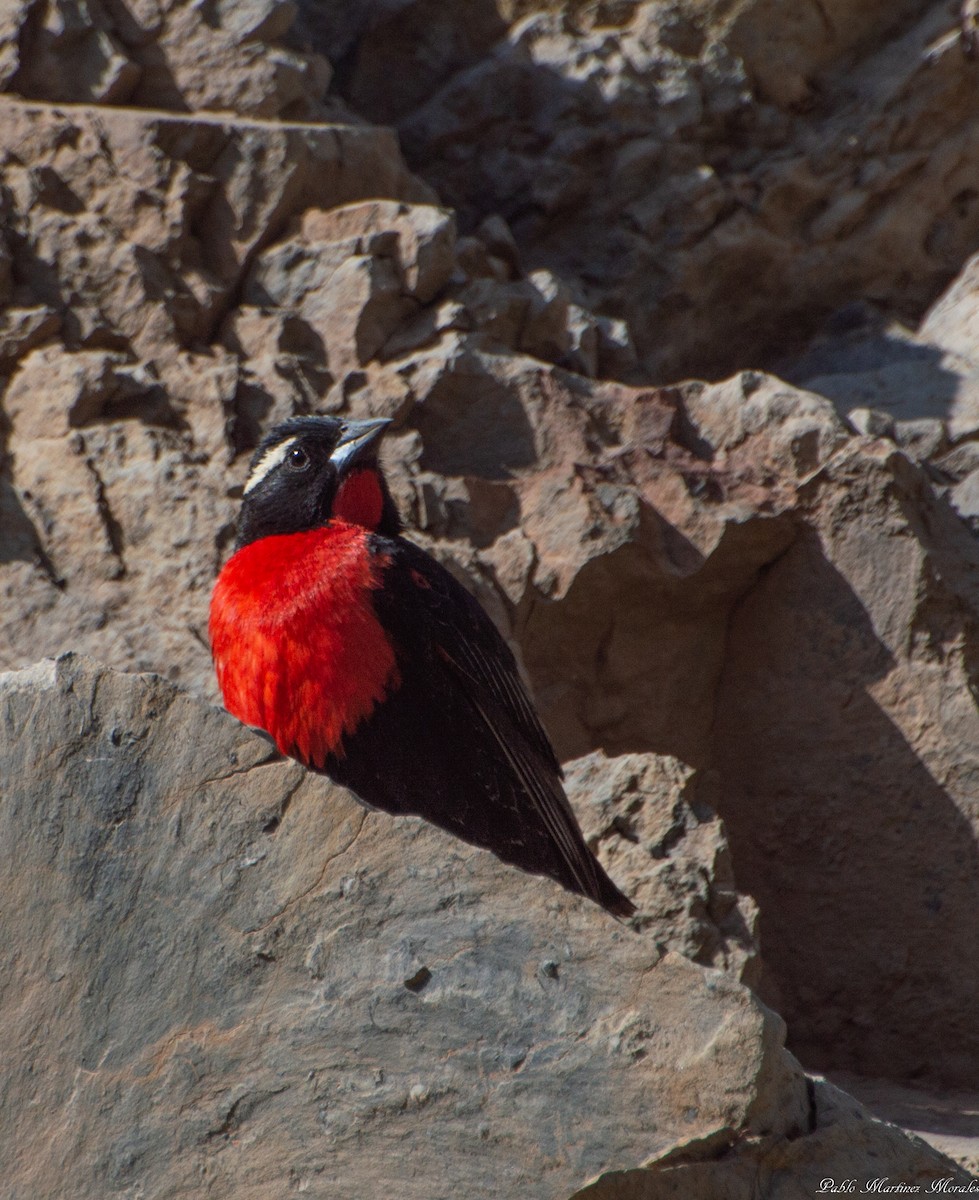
{"x":482,"y":767}
{"x":464,"y":637}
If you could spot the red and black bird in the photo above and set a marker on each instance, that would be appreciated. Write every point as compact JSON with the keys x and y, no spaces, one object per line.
{"x":364,"y":659}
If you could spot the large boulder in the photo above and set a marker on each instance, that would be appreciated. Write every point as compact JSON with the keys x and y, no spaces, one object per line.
{"x":221,"y":972}
{"x":846,"y":738}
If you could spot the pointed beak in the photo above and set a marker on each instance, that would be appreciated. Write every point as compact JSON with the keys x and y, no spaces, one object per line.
{"x":357,"y":441}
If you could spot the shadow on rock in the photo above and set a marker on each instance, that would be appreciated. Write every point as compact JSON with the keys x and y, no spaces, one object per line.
{"x":862,"y":361}
{"x":18,"y":539}
{"x":864,"y":865}
{"x":490,"y":437}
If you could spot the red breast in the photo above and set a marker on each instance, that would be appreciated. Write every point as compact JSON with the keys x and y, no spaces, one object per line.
{"x":297,"y":647}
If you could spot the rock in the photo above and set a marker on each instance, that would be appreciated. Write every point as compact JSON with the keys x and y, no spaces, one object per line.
{"x":753,"y":415}
{"x":958,"y":462}
{"x":424,"y":239}
{"x":516,"y":314}
{"x":64,"y":500}
{"x":114,"y":477}
{"x":719,"y":178}
{"x":655,"y":162}
{"x":362,"y":270}
{"x":951,"y":325}
{"x":359,"y":271}
{"x":965,"y":496}
{"x":946,"y":1119}
{"x":192,"y":201}
{"x":930,"y":390}
{"x":584,"y":342}
{"x":364,"y":303}
{"x":924,"y":439}
{"x":425,"y":329}
{"x":476,"y":262}
{"x":54,"y":36}
{"x":617,"y":357}
{"x":953,"y":321}
{"x":254,"y":980}
{"x":161,"y":54}
{"x":845,"y":737}
{"x":784,"y":61}
{"x":497,"y":236}
{"x":844,"y":1143}
{"x":648,"y":819}
{"x":397,"y":54}
{"x":24,"y":329}
{"x":54,"y":392}
{"x":871,"y":422}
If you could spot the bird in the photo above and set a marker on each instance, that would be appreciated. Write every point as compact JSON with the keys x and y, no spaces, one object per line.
{"x":366,"y":660}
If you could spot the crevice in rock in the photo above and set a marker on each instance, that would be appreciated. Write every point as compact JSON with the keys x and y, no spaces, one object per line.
{"x":113,"y":529}
{"x":419,"y":981}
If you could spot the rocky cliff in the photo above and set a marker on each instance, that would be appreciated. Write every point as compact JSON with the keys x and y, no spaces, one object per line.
{"x":516,"y":229}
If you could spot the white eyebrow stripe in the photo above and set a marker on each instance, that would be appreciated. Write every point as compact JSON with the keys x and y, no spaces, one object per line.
{"x":268,"y":462}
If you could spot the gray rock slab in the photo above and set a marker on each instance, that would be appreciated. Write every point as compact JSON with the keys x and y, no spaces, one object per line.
{"x":223,"y":976}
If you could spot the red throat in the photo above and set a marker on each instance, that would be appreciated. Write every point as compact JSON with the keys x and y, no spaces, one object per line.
{"x":360,"y":500}
{"x":297,"y":647}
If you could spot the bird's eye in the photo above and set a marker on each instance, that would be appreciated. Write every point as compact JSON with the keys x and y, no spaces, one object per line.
{"x":297,"y":459}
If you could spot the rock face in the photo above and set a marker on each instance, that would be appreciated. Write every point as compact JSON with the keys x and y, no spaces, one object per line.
{"x":719,"y":175}
{"x":769,"y":581}
{"x":227,"y":975}
{"x":847,"y":737}
{"x":660,"y":838}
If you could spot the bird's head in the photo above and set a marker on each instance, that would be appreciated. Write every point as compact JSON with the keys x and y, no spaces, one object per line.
{"x":309,"y":471}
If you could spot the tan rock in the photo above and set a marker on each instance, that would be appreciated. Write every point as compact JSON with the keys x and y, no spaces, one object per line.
{"x":424,"y":238}
{"x":63,"y":497}
{"x":142,"y":231}
{"x":923,"y":439}
{"x":23,"y":329}
{"x":50,"y":37}
{"x":161,"y":54}
{"x":357,"y":273}
{"x":762,"y":418}
{"x":965,"y":496}
{"x":54,"y":392}
{"x":953,"y":321}
{"x":846,"y":736}
{"x":663,"y":844}
{"x":943,"y":1117}
{"x":843,"y":1143}
{"x":917,"y":380}
{"x":124,"y":516}
{"x":363,"y":303}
